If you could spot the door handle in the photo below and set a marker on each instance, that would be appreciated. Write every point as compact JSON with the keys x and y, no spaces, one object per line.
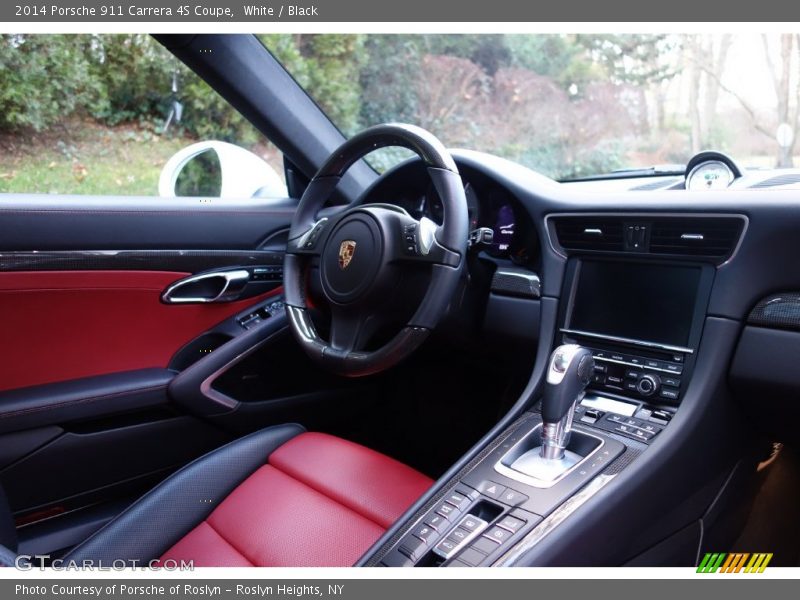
{"x":218,"y":286}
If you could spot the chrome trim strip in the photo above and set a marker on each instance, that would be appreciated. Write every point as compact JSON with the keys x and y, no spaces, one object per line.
{"x":538,"y":483}
{"x":558,"y":516}
{"x":623,"y":340}
{"x":234,"y":282}
{"x":548,"y":226}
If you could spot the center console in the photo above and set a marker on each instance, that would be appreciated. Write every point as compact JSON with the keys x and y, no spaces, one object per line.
{"x":637,"y":324}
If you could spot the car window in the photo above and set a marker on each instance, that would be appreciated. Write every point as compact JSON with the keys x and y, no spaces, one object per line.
{"x":120,"y":115}
{"x":566,"y":105}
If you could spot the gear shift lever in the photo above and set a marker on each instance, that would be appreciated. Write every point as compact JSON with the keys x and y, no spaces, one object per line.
{"x":568,"y":373}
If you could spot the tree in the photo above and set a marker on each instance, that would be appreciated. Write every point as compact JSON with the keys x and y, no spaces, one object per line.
{"x":781,"y":76}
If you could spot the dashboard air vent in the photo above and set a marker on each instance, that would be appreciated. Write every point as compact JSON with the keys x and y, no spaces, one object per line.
{"x":785,"y":179}
{"x":706,"y":236}
{"x":590,"y":233}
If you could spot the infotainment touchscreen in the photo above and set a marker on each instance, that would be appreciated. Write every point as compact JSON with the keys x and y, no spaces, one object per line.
{"x":636,"y":301}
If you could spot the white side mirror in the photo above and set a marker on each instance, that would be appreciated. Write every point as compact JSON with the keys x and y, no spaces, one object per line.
{"x":241,"y":173}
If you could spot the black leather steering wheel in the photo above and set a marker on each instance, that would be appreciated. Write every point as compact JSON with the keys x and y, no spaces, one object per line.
{"x":360,"y":251}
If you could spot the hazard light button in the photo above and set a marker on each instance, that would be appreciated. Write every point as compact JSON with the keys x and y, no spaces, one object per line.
{"x":491,"y":489}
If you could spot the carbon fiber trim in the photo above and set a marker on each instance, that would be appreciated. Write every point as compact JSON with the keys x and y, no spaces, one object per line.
{"x":778,"y":311}
{"x":189,"y":261}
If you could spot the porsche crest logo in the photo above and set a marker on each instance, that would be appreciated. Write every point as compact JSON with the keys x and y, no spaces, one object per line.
{"x":346,"y":251}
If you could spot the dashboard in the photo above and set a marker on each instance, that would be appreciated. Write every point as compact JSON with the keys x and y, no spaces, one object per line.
{"x":489,"y":205}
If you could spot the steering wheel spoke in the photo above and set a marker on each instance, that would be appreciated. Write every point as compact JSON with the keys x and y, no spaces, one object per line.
{"x":351,"y":329}
{"x":360,"y":254}
{"x":312,"y":241}
{"x":419,"y":243}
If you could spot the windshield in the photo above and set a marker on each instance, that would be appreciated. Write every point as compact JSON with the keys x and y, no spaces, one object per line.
{"x":568,"y":106}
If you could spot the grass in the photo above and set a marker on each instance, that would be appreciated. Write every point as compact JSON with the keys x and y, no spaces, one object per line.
{"x":86,"y":158}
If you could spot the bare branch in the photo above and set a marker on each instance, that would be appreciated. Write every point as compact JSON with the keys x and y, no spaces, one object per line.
{"x":751,"y":111}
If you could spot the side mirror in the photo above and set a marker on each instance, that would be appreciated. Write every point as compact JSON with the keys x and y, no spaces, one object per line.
{"x":219,"y":169}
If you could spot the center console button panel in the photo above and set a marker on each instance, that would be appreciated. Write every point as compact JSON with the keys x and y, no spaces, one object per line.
{"x":638,"y":376}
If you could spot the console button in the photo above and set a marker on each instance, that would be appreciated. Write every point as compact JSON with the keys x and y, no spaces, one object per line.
{"x":669,"y":393}
{"x":513,"y":524}
{"x":591,"y":416}
{"x":413,"y":547}
{"x":673,"y":368}
{"x":512,"y":497}
{"x":491,"y":489}
{"x":485,"y":545}
{"x":498,"y":534}
{"x":662,"y":417}
{"x":615,"y":418}
{"x":459,"y":534}
{"x":653,"y":364}
{"x":626,"y":429}
{"x":472,"y":557}
{"x":448,"y":511}
{"x":396,"y":559}
{"x":425,"y":532}
{"x":614,"y":380}
{"x":437,"y":522}
{"x":460,"y":501}
{"x":471,"y":523}
{"x":671,"y":381}
{"x":446,"y":548}
{"x":633,"y":373}
{"x":650,"y":427}
{"x":631,"y":386}
{"x":642,"y":434}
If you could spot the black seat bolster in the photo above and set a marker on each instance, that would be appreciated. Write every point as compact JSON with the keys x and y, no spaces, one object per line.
{"x":8,"y":531}
{"x":154,"y":523}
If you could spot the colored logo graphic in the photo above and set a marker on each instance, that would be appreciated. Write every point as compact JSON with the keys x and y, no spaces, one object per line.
{"x":742,"y":562}
{"x":346,"y":251}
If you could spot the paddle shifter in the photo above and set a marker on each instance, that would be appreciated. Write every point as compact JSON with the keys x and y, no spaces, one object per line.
{"x":570,"y":369}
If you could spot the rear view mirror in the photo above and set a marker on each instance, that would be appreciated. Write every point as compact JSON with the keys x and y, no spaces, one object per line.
{"x":219,"y":169}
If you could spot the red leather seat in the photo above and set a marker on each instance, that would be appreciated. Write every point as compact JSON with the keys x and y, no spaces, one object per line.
{"x":311,"y":500}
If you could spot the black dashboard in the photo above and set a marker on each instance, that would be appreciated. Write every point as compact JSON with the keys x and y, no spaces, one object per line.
{"x":743,"y":238}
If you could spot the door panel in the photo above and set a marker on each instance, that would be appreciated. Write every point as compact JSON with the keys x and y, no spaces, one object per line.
{"x":89,"y":349}
{"x":72,"y":324}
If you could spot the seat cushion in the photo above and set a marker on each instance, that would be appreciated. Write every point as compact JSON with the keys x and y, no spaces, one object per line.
{"x":319,"y":501}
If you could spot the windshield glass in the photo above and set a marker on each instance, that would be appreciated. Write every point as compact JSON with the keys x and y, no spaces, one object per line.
{"x":569,"y":106}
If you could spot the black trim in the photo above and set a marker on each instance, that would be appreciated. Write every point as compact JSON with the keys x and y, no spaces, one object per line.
{"x":150,"y":526}
{"x":89,"y":397}
{"x":189,"y":261}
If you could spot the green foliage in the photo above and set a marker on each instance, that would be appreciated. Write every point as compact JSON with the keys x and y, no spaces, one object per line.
{"x":555,"y":56}
{"x":630,"y":58}
{"x":474,"y":90}
{"x":43,"y":78}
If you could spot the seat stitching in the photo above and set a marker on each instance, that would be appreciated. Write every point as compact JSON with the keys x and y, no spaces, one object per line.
{"x":230,"y":543}
{"x":328,"y":496}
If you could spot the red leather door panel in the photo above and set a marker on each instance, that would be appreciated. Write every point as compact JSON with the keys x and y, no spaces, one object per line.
{"x":58,"y":325}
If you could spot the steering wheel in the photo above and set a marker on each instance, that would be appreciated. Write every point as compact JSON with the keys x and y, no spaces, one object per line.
{"x":361,"y":252}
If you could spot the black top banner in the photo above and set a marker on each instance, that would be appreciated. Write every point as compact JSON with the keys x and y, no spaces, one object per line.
{"x":439,"y":11}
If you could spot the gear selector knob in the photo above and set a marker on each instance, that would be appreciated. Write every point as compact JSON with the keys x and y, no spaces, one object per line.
{"x":568,"y":373}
